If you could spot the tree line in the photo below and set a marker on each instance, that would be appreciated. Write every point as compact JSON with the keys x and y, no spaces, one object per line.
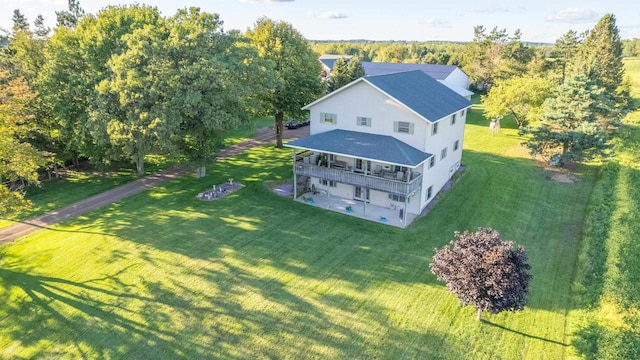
{"x":128,"y":82}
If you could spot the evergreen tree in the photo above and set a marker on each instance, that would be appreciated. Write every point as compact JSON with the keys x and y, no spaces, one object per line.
{"x":572,"y":121}
{"x":41,"y":31}
{"x":339,"y":75}
{"x":70,"y":18}
{"x":600,"y":59}
{"x":356,"y":70}
{"x":565,"y":49}
{"x":19,"y":21}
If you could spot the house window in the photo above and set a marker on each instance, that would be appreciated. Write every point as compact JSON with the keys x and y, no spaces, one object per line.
{"x":429,"y":192}
{"x":432,"y":162}
{"x":434,"y":129}
{"x":464,"y":111}
{"x":327,"y":182}
{"x":403,"y":127}
{"x":364,"y":121}
{"x":443,"y":153}
{"x":362,"y":166}
{"x":453,"y":119}
{"x":398,"y":198}
{"x":456,"y":144}
{"x":327,"y":118}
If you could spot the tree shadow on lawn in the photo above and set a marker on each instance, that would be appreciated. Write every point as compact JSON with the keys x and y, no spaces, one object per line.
{"x":105,"y":317}
{"x":534,"y":337}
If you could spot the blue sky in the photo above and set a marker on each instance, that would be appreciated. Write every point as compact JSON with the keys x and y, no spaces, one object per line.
{"x":539,"y":20}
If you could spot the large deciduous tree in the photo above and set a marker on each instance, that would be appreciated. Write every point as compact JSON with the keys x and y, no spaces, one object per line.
{"x":483,"y":271}
{"x":19,"y":160}
{"x":522,"y":97}
{"x":296,"y":67}
{"x":573,"y":121}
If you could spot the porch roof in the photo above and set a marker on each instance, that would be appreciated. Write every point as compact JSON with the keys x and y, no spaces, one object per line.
{"x":379,"y":148}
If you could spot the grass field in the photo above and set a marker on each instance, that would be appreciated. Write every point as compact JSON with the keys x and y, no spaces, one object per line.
{"x":254,"y":275}
{"x":606,"y":318}
{"x":79,"y":185}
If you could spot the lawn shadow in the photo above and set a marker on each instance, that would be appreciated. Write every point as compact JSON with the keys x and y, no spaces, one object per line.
{"x":487,"y":322}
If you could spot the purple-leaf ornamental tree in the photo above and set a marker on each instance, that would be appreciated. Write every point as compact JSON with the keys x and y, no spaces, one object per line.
{"x":483,"y":271}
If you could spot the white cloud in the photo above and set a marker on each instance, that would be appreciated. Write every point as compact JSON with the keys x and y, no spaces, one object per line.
{"x":573,"y":15}
{"x":432,"y":22}
{"x":332,"y":15}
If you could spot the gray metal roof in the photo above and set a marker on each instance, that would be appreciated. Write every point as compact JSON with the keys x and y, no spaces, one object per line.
{"x":421,"y":93}
{"x":381,"y":148}
{"x":436,"y":71}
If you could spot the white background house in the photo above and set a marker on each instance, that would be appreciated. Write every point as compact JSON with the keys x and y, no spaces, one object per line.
{"x":391,"y":140}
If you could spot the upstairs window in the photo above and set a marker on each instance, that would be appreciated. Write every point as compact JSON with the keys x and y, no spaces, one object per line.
{"x":327,"y":118}
{"x":363,"y":121}
{"x":453,"y":119}
{"x":443,"y":153}
{"x":432,"y":162}
{"x":456,"y":145}
{"x":429,"y":192}
{"x":434,"y":129}
{"x":403,"y":127}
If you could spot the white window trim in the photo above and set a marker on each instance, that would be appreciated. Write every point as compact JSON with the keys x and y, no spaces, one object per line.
{"x":434,"y":129}
{"x":325,"y":116}
{"x":409,"y":128}
{"x":367,"y":121}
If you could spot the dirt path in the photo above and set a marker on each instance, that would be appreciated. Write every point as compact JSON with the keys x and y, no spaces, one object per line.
{"x":25,"y":227}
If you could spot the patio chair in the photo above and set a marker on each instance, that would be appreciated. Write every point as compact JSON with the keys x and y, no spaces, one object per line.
{"x":400,"y":175}
{"x":377,"y":170}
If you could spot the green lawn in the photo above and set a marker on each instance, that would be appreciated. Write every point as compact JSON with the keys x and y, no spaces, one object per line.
{"x":79,"y":185}
{"x":606,"y":318}
{"x":253,"y":275}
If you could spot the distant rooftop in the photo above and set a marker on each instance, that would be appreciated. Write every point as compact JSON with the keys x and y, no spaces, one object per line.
{"x":329,"y":59}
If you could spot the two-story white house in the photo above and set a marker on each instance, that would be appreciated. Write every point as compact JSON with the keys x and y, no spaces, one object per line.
{"x":390,"y":140}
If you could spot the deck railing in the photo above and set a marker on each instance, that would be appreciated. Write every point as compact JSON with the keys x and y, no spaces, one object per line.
{"x":404,"y":188}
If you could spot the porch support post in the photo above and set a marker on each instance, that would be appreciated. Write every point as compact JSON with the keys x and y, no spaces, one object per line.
{"x":364,"y":203}
{"x":404,"y":218}
{"x":295,"y":177}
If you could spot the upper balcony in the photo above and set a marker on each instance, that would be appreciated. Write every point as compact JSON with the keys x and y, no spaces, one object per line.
{"x":381,"y":181}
